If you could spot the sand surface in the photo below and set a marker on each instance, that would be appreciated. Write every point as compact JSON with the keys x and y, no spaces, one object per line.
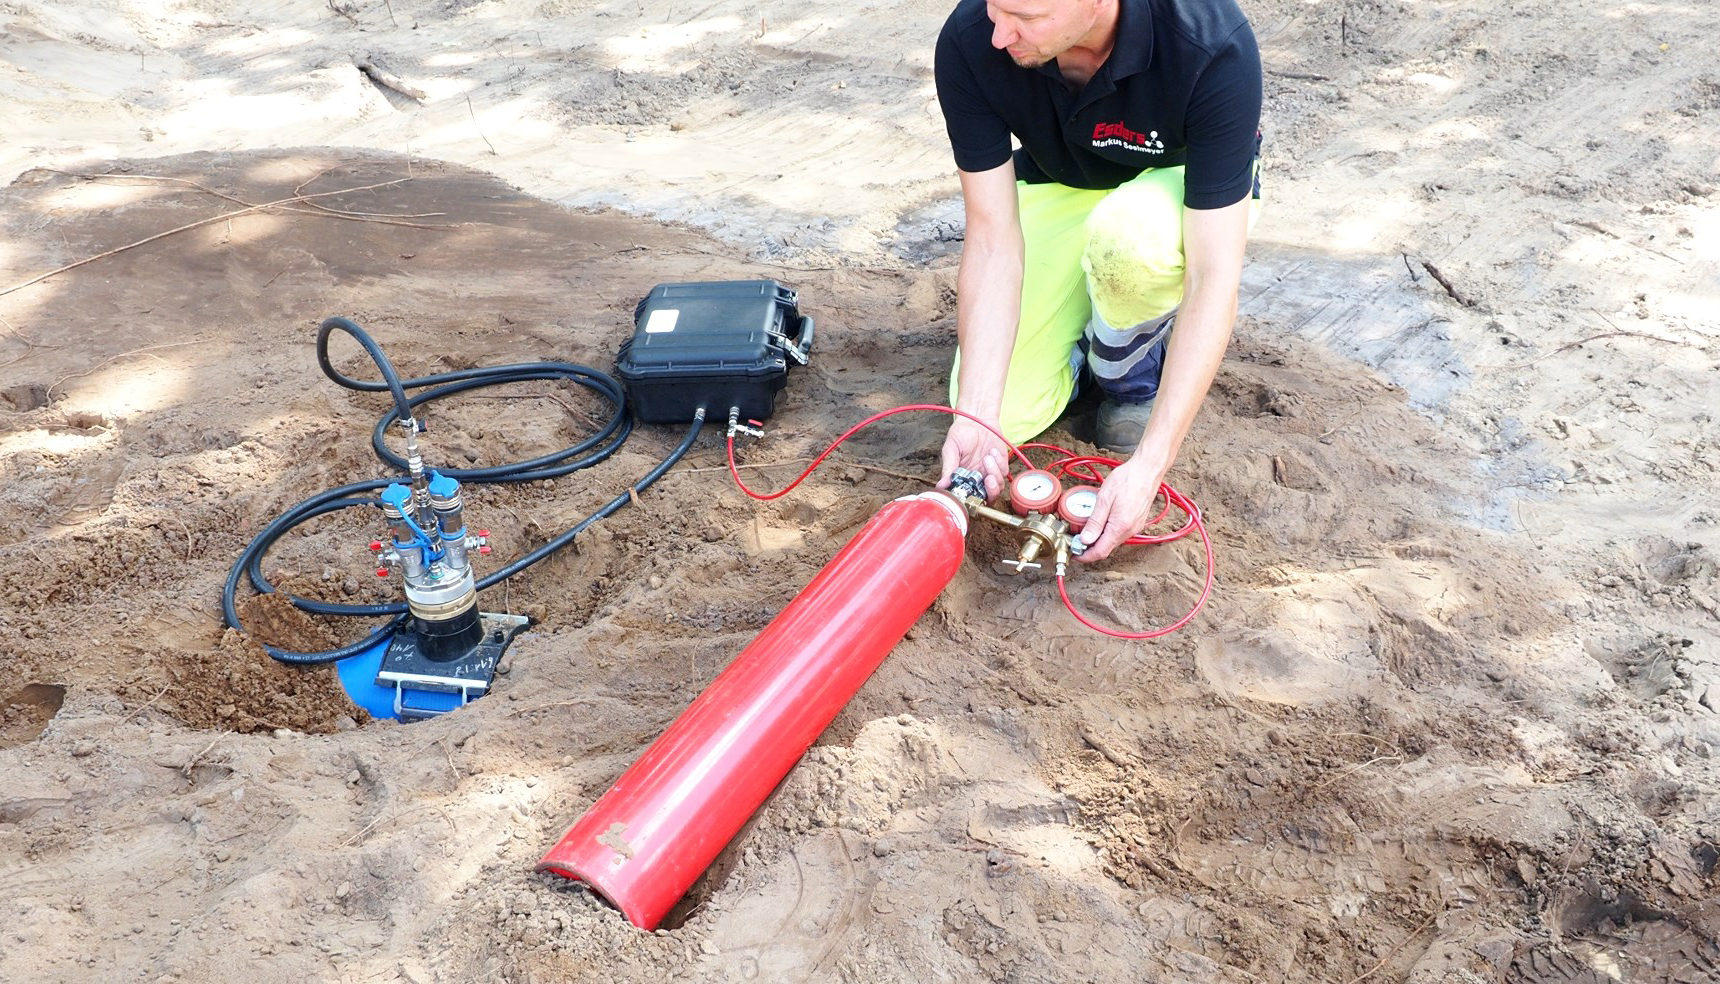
{"x":1451,"y":713}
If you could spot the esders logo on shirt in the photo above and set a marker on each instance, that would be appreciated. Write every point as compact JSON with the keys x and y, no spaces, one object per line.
{"x":1119,"y":135}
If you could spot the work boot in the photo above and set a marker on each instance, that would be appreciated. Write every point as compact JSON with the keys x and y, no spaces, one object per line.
{"x":1120,"y":425}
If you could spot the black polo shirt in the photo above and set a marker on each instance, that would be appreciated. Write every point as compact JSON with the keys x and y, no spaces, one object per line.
{"x":1182,"y":86}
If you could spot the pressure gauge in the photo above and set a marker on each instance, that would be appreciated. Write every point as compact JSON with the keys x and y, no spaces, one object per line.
{"x":1077,"y":504}
{"x":1034,"y":491}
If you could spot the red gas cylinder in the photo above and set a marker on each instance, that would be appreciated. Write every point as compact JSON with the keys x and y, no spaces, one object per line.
{"x":645,"y":841}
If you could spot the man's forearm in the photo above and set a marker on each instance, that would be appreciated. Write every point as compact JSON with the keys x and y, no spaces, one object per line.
{"x":1196,"y":349}
{"x":988,"y":309}
{"x":1213,"y":244}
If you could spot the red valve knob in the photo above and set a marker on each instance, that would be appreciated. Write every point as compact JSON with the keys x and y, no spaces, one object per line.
{"x":483,"y":532}
{"x":376,"y":546}
{"x":382,"y":572}
{"x":484,"y":549}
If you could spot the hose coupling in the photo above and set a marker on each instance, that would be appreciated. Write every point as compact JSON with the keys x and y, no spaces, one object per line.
{"x":967,"y":483}
{"x":736,"y":427}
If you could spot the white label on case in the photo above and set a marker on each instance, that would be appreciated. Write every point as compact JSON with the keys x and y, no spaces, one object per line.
{"x":662,"y":319}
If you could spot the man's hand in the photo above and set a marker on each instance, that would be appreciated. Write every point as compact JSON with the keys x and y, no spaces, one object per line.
{"x":1126,"y":503}
{"x":971,"y":446}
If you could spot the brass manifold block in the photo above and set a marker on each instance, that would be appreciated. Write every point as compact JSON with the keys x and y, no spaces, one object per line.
{"x":1042,"y":532}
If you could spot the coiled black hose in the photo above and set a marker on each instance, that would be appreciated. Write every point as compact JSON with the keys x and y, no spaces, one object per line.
{"x":606,"y":442}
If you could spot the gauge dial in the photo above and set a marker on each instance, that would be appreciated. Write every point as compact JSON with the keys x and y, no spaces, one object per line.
{"x":1034,"y":491}
{"x":1077,"y":505}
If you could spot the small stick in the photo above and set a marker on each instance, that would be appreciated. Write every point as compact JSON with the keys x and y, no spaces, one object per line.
{"x":1445,"y":282}
{"x":801,"y":461}
{"x":1358,"y":734}
{"x":1355,"y":769}
{"x":224,"y":217}
{"x":300,"y":189}
{"x":1585,"y":341}
{"x":1104,"y":749}
{"x":760,"y":464}
{"x":886,"y":471}
{"x":192,"y":762}
{"x":241,"y":201}
{"x":388,"y":80}
{"x":29,"y":347}
{"x":372,"y":824}
{"x":1340,"y":425}
{"x":344,"y":12}
{"x":516,"y":712}
{"x":122,"y":355}
{"x":1393,"y":951}
{"x":187,"y":531}
{"x":474,"y":115}
{"x":146,"y":704}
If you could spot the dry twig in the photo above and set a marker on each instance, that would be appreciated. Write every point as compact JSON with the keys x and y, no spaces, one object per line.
{"x":145,"y":705}
{"x":1103,"y":748}
{"x":193,"y":761}
{"x":474,"y":115}
{"x":122,"y":355}
{"x":1340,"y":425}
{"x":1357,"y":768}
{"x":344,"y":12}
{"x":388,"y":80}
{"x":1371,"y":971}
{"x":1584,"y":341}
{"x":1450,"y":288}
{"x":316,"y":208}
{"x":224,"y":217}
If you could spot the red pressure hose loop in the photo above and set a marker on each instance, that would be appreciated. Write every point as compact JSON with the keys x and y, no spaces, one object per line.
{"x":1206,"y":589}
{"x":766,"y":497}
{"x":1079,"y":467}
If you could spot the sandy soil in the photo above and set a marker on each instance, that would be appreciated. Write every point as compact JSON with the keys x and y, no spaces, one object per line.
{"x":1450,"y":716}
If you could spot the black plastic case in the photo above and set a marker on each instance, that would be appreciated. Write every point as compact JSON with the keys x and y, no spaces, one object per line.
{"x":713,"y":345}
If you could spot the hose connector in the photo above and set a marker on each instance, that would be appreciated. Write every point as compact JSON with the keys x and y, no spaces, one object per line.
{"x":414,"y":460}
{"x":967,"y":483}
{"x":736,"y":427}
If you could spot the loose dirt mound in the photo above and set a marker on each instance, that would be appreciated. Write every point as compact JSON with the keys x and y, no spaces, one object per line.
{"x":1449,"y":717}
{"x":1335,"y":765}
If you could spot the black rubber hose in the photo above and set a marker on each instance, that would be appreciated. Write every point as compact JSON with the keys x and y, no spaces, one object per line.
{"x":390,"y":380}
{"x":251,"y":560}
{"x":589,"y":452}
{"x":610,"y":507}
{"x":607,"y":440}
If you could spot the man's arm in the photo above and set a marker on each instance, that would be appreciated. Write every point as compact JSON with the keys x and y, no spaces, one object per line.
{"x":988,"y":310}
{"x":1213,"y":244}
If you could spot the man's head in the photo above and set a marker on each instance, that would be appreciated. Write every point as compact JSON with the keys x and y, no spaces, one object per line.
{"x":1034,"y":32}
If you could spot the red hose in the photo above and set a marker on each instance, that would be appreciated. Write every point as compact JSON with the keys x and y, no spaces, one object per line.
{"x":850,"y":433}
{"x":1080,"y":467}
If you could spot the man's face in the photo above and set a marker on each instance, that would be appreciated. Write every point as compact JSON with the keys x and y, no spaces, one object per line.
{"x":1036,"y":31}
